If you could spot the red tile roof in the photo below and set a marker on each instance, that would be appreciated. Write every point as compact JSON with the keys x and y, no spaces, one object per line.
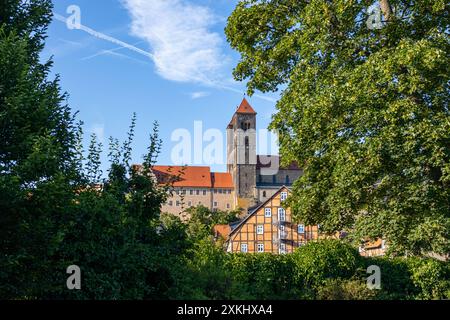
{"x":188,"y":176}
{"x":245,"y":107}
{"x":222,"y":230}
{"x":222,"y":180}
{"x":196,"y":177}
{"x":373,"y":245}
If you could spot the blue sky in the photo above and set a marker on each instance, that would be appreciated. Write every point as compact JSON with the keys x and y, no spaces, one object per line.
{"x":177,"y":70}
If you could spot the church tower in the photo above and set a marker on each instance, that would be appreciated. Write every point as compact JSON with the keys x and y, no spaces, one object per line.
{"x":241,"y":154}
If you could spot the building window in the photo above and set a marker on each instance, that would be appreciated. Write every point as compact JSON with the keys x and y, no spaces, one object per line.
{"x":228,"y":206}
{"x":215,"y":191}
{"x":191,"y":192}
{"x":301,"y":229}
{"x":197,"y":192}
{"x":287,"y":180}
{"x":220,"y":191}
{"x":274,"y":179}
{"x":244,"y":247}
{"x":204,"y":192}
{"x":245,"y":125}
{"x":281,"y":214}
{"x":260,"y":229}
{"x":247,"y":150}
{"x":268,"y":212}
{"x":282,"y":248}
{"x":260,"y":247}
{"x":170,"y":203}
{"x":264,"y":194}
{"x":215,"y":204}
{"x":284,"y":196}
{"x":178,"y":203}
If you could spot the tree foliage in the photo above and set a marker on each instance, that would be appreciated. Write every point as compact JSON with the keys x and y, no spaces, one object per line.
{"x":364,"y":110}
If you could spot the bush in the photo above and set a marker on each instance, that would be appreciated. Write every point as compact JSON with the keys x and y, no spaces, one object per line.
{"x":431,"y":277}
{"x":319,"y":261}
{"x":339,"y":289}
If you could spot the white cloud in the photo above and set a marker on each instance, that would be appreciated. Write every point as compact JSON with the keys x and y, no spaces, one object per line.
{"x":199,"y":94}
{"x":183,"y":46}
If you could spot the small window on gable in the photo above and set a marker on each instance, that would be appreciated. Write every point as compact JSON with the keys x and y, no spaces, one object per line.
{"x":260,"y":229}
{"x":268,"y":212}
{"x":283,"y":196}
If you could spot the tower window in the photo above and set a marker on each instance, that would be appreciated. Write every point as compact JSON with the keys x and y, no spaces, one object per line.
{"x":245,"y":126}
{"x":287,"y":180}
{"x":247,"y":151}
{"x":264,"y":194}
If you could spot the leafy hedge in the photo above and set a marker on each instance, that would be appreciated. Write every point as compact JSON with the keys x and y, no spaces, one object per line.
{"x":328,"y":269}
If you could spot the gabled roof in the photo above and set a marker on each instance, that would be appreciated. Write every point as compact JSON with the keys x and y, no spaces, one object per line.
{"x":256,"y":209}
{"x":187,"y":176}
{"x":222,"y":180}
{"x":274,"y":160}
{"x":245,"y":107}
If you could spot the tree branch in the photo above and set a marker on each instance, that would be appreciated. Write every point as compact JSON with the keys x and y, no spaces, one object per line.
{"x":386,"y":9}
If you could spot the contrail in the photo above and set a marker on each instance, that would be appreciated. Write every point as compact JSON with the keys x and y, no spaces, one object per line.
{"x":106,"y":37}
{"x":123,"y":44}
{"x":102,"y":52}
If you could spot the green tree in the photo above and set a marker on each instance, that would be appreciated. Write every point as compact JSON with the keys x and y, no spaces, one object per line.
{"x":38,"y":139}
{"x":364,"y":110}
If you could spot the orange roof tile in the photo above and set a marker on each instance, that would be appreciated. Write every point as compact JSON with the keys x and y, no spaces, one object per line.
{"x":199,"y":177}
{"x":245,"y":107}
{"x":374,"y":244}
{"x":222,"y":230}
{"x":222,"y":180}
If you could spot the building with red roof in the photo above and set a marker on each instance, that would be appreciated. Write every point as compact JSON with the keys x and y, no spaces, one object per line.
{"x":250,"y":178}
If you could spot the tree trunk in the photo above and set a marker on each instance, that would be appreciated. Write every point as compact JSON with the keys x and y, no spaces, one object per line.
{"x":386,"y":9}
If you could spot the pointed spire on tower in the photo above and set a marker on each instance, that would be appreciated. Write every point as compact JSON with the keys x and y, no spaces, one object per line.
{"x":245,"y":107}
